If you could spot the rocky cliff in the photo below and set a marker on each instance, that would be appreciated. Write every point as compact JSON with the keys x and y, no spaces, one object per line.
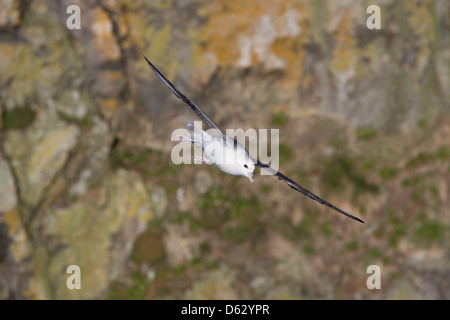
{"x":86,"y":176}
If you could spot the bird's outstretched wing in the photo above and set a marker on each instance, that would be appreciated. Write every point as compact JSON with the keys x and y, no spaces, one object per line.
{"x":185,"y":99}
{"x":306,"y":192}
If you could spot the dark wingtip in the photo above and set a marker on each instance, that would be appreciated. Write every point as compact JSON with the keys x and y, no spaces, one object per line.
{"x":148,"y":61}
{"x":357,"y":219}
{"x":150,"y":64}
{"x":348,"y":214}
{"x":353,"y":217}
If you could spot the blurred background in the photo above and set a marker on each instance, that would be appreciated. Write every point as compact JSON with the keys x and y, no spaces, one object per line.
{"x":86,"y":176}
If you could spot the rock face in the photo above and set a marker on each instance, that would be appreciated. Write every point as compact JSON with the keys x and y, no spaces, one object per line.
{"x":8,"y":196}
{"x":86,"y":177}
{"x":38,"y":154}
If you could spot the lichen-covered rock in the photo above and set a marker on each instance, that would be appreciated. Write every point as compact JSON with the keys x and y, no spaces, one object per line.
{"x":97,"y":235}
{"x":404,"y":291}
{"x":10,"y":14}
{"x":8,"y":196}
{"x":39,"y":153}
{"x":16,"y":270}
{"x":217,"y":285}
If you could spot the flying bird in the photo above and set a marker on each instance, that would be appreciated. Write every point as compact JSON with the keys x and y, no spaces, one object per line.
{"x":227,"y":153}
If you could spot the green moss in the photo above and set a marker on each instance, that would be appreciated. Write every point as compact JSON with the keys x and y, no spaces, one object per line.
{"x":325,"y":228}
{"x":72,"y":198}
{"x":366,"y":133}
{"x":430,"y":231}
{"x":265,"y":188}
{"x":279,"y":118}
{"x":183,"y":216}
{"x":212,"y":265}
{"x":214,"y":206}
{"x":212,"y":199}
{"x":387,"y":173}
{"x":379,"y":233}
{"x":86,"y":121}
{"x":197,"y":261}
{"x":179,"y":217}
{"x":434,"y":191}
{"x":245,"y":206}
{"x":375,"y":253}
{"x":389,"y":213}
{"x":421,"y":158}
{"x":398,"y":232}
{"x":411,"y":181}
{"x":309,"y":249}
{"x":352,"y":246}
{"x":417,"y":195}
{"x":205,"y":247}
{"x":422,"y":123}
{"x":305,"y":228}
{"x":156,"y":223}
{"x":127,"y":158}
{"x":18,"y":118}
{"x":194,"y":225}
{"x":217,"y":206}
{"x":211,"y":219}
{"x":285,"y":153}
{"x":367,"y":166}
{"x":421,"y":216}
{"x":116,"y":291}
{"x":137,"y":290}
{"x":443,"y":153}
{"x":236,"y":234}
{"x":179,"y":270}
{"x":149,"y":162}
{"x":342,"y":167}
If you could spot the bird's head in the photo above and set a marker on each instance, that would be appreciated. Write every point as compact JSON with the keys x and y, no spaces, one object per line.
{"x":248,"y":168}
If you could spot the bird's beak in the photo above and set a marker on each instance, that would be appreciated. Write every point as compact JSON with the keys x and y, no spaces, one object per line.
{"x":252,"y":179}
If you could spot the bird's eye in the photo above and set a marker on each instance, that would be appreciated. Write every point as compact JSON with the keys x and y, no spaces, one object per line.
{"x":245,"y":166}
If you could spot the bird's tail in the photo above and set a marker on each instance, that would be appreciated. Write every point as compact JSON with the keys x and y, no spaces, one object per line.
{"x":197,"y":135}
{"x":190,"y":126}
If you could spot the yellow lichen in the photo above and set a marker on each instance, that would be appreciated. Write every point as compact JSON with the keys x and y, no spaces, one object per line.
{"x":20,"y":247}
{"x":105,"y":42}
{"x":109,"y":103}
{"x":12,"y":220}
{"x":344,"y":56}
{"x":50,"y":153}
{"x":244,"y":34}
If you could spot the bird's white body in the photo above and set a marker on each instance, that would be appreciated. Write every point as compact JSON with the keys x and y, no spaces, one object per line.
{"x":227,"y":154}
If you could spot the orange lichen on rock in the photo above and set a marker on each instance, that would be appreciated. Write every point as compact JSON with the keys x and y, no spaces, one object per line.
{"x":344,"y":56}
{"x":105,"y":43}
{"x":239,"y":34}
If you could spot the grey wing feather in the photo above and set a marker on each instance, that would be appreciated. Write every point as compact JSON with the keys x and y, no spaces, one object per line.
{"x":306,"y":192}
{"x":185,"y":99}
